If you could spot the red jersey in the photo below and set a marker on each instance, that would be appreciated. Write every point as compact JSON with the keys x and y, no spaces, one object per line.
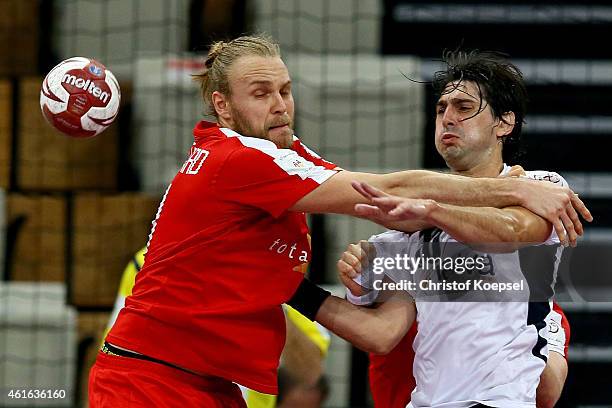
{"x":391,"y":378}
{"x":223,"y":255}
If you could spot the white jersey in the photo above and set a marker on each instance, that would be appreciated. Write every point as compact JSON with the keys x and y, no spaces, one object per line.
{"x":475,"y":352}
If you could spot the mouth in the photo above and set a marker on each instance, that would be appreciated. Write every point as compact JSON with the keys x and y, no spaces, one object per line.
{"x":279,"y":127}
{"x":448,"y":138}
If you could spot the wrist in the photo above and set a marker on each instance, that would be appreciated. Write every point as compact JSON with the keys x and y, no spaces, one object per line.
{"x":435,"y":210}
{"x":508,"y":190}
{"x":308,"y":299}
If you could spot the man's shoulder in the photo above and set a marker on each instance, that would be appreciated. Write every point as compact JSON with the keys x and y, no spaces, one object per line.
{"x":546,"y":175}
{"x":240,"y":151}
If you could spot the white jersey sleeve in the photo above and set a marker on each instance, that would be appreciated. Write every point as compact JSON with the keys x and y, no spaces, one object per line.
{"x":556,"y":333}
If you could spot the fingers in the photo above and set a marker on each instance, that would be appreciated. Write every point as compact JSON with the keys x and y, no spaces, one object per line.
{"x":367,"y":190}
{"x":373,"y":191}
{"x":573,"y":215}
{"x":357,"y":186}
{"x":409,"y":209}
{"x":352,"y":260}
{"x":387,"y":203}
{"x":350,"y":266}
{"x":569,"y":230}
{"x":351,"y":285}
{"x":516,"y":171}
{"x":355,"y":288}
{"x":345,"y":269}
{"x":560,"y":231}
{"x":402,"y":209}
{"x":580,"y":207}
{"x":571,"y":221}
{"x":369,"y":211}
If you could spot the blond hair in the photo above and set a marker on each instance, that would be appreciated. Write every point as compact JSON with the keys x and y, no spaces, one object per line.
{"x":222,"y":55}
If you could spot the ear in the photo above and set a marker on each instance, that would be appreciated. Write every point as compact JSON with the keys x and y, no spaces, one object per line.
{"x":505,"y":125}
{"x":220,"y":103}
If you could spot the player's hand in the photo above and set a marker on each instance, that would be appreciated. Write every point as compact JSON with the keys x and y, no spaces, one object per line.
{"x":516,"y":171}
{"x":351,"y":263}
{"x":385,"y":208}
{"x":558,"y":205}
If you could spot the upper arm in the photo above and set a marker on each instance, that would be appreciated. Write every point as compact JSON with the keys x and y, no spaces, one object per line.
{"x":336,"y":195}
{"x":552,"y":381}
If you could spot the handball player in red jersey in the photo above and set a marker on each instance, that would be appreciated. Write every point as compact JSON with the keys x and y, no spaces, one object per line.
{"x":230,"y":244}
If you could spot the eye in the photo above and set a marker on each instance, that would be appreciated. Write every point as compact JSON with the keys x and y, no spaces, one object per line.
{"x":440,"y":110}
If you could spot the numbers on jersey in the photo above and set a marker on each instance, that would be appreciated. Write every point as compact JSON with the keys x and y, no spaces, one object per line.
{"x":195,"y":161}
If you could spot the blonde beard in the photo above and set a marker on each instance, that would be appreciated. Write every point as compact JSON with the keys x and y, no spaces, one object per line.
{"x":243,"y":127}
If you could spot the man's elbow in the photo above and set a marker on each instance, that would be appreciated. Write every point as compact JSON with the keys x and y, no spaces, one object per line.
{"x":547,"y":397}
{"x":506,"y":239}
{"x":385,"y":342}
{"x":517,"y":233}
{"x":381,"y":348}
{"x":552,"y":381}
{"x":525,"y":229}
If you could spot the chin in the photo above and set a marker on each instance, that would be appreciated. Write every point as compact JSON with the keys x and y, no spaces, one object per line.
{"x":284,"y":141}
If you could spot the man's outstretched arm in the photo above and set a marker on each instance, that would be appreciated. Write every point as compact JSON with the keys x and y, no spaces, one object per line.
{"x":483,"y":228}
{"x":375,"y":330}
{"x":515,"y":226}
{"x":558,"y":205}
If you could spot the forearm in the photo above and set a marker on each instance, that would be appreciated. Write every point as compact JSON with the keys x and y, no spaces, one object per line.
{"x":508,"y":229}
{"x":475,"y":225}
{"x":407,"y":226}
{"x":375,"y":330}
{"x":337,"y":195}
{"x":450,"y":188}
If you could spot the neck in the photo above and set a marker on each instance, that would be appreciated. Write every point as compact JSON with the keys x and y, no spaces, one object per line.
{"x":483,"y":169}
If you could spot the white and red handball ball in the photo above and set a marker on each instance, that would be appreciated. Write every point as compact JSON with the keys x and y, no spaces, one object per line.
{"x":80,"y":97}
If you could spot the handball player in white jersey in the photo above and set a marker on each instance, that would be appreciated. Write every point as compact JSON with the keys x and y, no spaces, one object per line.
{"x":470,"y":353}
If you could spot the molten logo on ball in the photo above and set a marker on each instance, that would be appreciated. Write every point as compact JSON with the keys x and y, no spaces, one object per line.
{"x":88,"y":85}
{"x":80,"y":97}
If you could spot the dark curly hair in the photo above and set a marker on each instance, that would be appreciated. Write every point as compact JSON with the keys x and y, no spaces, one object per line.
{"x":500,"y":83}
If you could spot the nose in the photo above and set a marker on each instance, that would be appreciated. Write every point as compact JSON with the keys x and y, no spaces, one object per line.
{"x":278,"y":104}
{"x":450,"y":117}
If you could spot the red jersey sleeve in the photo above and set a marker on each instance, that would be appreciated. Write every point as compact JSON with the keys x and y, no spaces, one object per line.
{"x":391,"y":377}
{"x":310,"y":155}
{"x":260,"y":174}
